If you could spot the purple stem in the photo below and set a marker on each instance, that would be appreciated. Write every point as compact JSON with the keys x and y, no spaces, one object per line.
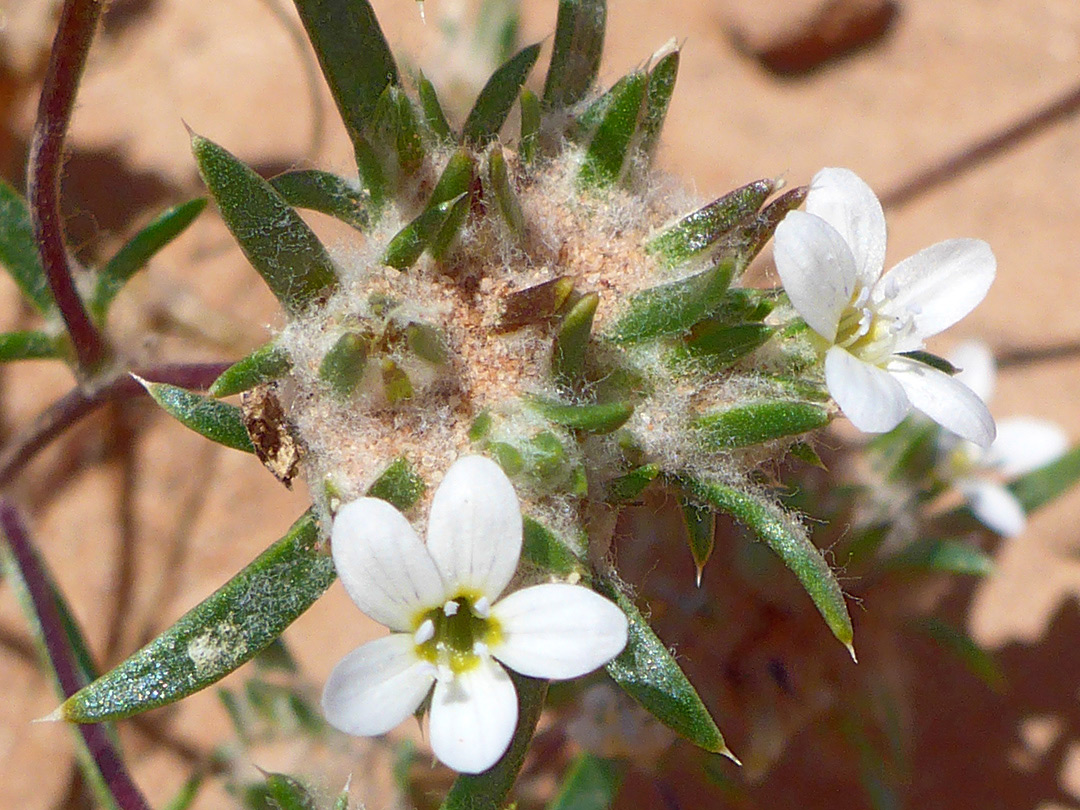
{"x":78,"y":21}
{"x":77,"y":404}
{"x":62,"y":658}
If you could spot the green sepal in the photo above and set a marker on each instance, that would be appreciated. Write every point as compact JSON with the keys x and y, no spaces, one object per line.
{"x":396,"y":383}
{"x":536,"y":303}
{"x":1039,"y":487}
{"x":932,"y":360}
{"x":498,"y":96}
{"x":703,"y":228}
{"x":488,"y":790}
{"x":138,"y":251}
{"x":542,"y":547}
{"x":608,"y":151}
{"x":394,"y":133}
{"x":945,"y":556}
{"x":277,"y":242}
{"x":629,"y":486}
{"x":575,"y":56}
{"x":955,"y":641}
{"x":265,"y":364}
{"x":591,"y":783}
{"x":530,"y":125}
{"x":287,"y":793}
{"x":759,"y":422}
{"x":27,"y":345}
{"x":657,"y":98}
{"x":783,"y":535}
{"x":214,"y":638}
{"x":505,"y":198}
{"x":399,"y":485}
{"x":647,"y":671}
{"x":18,"y":250}
{"x":700,"y":522}
{"x":572,"y":341}
{"x":674,"y":307}
{"x":599,"y":418}
{"x":216,"y":420}
{"x":432,"y":110}
{"x":343,"y":365}
{"x":751,"y":236}
{"x":326,"y":193}
{"x":717,"y":346}
{"x":408,"y":243}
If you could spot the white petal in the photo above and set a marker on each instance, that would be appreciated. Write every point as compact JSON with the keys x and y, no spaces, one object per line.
{"x":868,"y":395}
{"x":816,"y":268}
{"x":994,"y":506}
{"x":1024,"y":444}
{"x":376,"y":686}
{"x":473,"y":716}
{"x":944,"y":399}
{"x":558,"y":631}
{"x":977,"y":369}
{"x":474,"y":532}
{"x":939,"y":285}
{"x":841,"y":198}
{"x":383,"y":565}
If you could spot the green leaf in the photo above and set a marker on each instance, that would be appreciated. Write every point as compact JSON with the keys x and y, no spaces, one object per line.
{"x":266,"y":363}
{"x":498,"y":97}
{"x":488,"y":790}
{"x":1039,"y":487}
{"x":218,"y":421}
{"x":138,"y":251}
{"x":572,"y":341}
{"x":396,"y":383}
{"x":674,"y":307}
{"x":18,"y":250}
{"x":648,"y":672}
{"x":543,"y":548}
{"x":955,"y":641}
{"x":214,"y":638}
{"x":750,"y":237}
{"x":700,"y":534}
{"x":408,"y":243}
{"x":530,"y":126}
{"x":606,"y":156}
{"x":439,"y":247}
{"x":590,"y":784}
{"x":759,"y":422}
{"x":399,"y":485}
{"x":434,"y":116}
{"x":602,"y":418}
{"x":628,"y":487}
{"x":575,"y":57}
{"x":326,"y":193}
{"x":717,"y":347}
{"x":784,"y":536}
{"x":505,"y":198}
{"x":343,"y":365}
{"x":946,"y":556}
{"x":277,"y":242}
{"x":657,"y":98}
{"x":288,"y":794}
{"x":394,"y":134}
{"x":29,"y":345}
{"x":703,"y":228}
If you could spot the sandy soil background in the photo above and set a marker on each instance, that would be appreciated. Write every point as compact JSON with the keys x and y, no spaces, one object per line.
{"x":135,"y":541}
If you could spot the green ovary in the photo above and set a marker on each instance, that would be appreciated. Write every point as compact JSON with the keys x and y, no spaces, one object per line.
{"x":454,"y":641}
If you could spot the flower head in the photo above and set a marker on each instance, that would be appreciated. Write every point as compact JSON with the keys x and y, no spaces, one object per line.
{"x":449,"y":631}
{"x":830,"y":259}
{"x":1023,"y":444}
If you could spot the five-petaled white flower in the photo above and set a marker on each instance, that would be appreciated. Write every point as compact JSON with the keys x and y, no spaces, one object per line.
{"x":830,"y":259}
{"x":1023,"y":444}
{"x":440,"y":601}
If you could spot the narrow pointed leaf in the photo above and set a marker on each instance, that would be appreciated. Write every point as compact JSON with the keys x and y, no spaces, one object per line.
{"x":572,"y":340}
{"x":407,"y":245}
{"x":409,"y":142}
{"x":543,"y":548}
{"x":138,"y":251}
{"x":759,"y":422}
{"x":399,"y":485}
{"x":214,"y":638}
{"x":218,"y":421}
{"x":326,"y":193}
{"x":695,"y":232}
{"x":444,"y":241}
{"x":536,"y":303}
{"x":498,"y":96}
{"x":29,"y":345}
{"x":750,"y":237}
{"x":343,"y":365}
{"x":590,"y":784}
{"x":456,"y":178}
{"x":657,"y":98}
{"x":672,"y":308}
{"x":601,"y":418}
{"x":648,"y":672}
{"x":434,"y":116}
{"x":287,"y":793}
{"x":606,"y":156}
{"x":575,"y":57}
{"x":946,"y":556}
{"x":789,"y":541}
{"x":628,"y":487}
{"x":530,"y":126}
{"x":1039,"y":487}
{"x":489,"y":790}
{"x":265,"y":364}
{"x":718,"y":347}
{"x":18,"y":250}
{"x":277,"y":242}
{"x":505,"y":198}
{"x":700,"y":534}
{"x":955,"y":641}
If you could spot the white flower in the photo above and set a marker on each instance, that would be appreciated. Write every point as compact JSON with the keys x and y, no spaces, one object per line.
{"x":830,"y":260}
{"x":1022,"y":444}
{"x":448,"y":629}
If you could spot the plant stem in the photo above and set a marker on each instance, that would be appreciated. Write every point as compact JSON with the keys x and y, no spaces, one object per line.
{"x":78,"y":21}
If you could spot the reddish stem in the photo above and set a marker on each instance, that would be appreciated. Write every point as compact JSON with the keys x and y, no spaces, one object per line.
{"x":78,"y":21}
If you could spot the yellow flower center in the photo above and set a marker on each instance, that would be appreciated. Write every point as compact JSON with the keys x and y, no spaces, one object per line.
{"x":454,"y":635}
